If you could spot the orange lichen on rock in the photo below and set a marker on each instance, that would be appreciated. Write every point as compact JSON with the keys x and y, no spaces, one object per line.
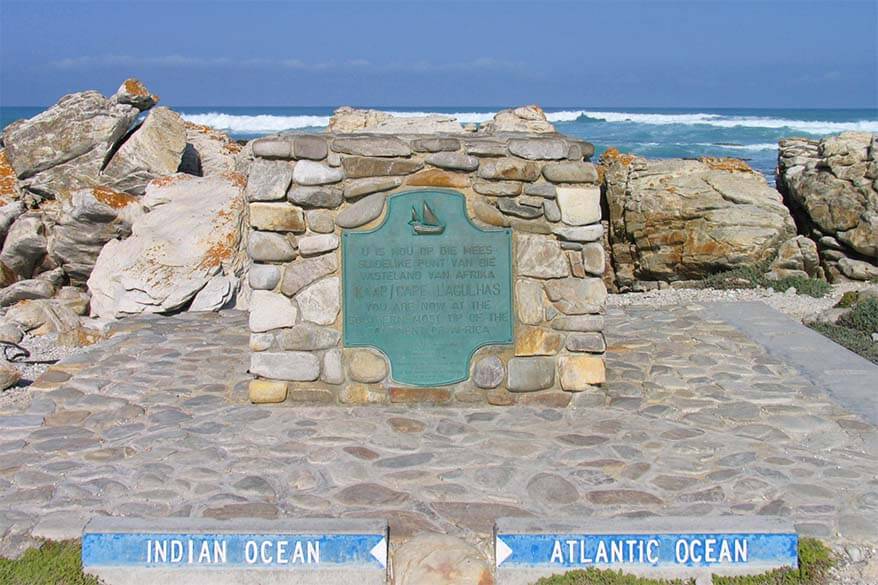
{"x":8,"y":190}
{"x":220,"y":252}
{"x":733,"y":165}
{"x":170,"y":180}
{"x":237,"y":179}
{"x":136,"y":87}
{"x":111,"y":198}
{"x":230,"y":146}
{"x":613,"y":154}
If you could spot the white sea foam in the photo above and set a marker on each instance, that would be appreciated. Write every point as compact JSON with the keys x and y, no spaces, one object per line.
{"x":266,"y":123}
{"x":759,"y":146}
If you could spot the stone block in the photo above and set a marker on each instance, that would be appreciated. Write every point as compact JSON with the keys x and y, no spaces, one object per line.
{"x":401,"y":395}
{"x":310,"y":147}
{"x":366,"y":366}
{"x":489,"y":214}
{"x":321,"y":196}
{"x":512,"y":207}
{"x":379,"y":146}
{"x":358,"y":167}
{"x":455,"y":161}
{"x":269,"y":247}
{"x":551,"y":210}
{"x":308,"y":172}
{"x":438,"y":178}
{"x":585,"y":323}
{"x":263,"y":276}
{"x":539,"y":149}
{"x":311,"y":395}
{"x":361,"y":212}
{"x":304,"y":271}
{"x":577,"y":296}
{"x":579,"y":205}
{"x":294,"y":366}
{"x":270,"y":310}
{"x":435,"y":144}
{"x":529,"y":301}
{"x":307,"y":337}
{"x":277,"y":217}
{"x":488,"y":372}
{"x":267,"y":391}
{"x":268,"y":180}
{"x":592,"y":342}
{"x":545,"y":190}
{"x":498,"y":188}
{"x":357,"y":188}
{"x":319,"y":244}
{"x":320,"y":302}
{"x":527,"y":374}
{"x":509,"y":169}
{"x":333,"y":372}
{"x":261,"y":341}
{"x":580,"y":372}
{"x":360,"y":394}
{"x":593,"y":259}
{"x":540,"y":257}
{"x":586,"y":233}
{"x":531,"y":340}
{"x":272,"y":148}
{"x":320,"y":221}
{"x":570,"y":172}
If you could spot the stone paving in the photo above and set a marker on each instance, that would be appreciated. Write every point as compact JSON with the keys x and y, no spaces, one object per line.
{"x":696,"y":420}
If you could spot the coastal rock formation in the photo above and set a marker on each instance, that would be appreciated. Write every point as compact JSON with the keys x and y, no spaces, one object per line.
{"x":832,"y":187}
{"x":523,"y":119}
{"x":191,"y":233}
{"x":685,"y":219}
{"x":208,"y":151}
{"x":347,"y":120}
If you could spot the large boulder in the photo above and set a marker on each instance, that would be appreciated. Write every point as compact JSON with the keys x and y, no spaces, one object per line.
{"x":88,"y":219}
{"x":685,"y":219}
{"x":153,"y":150}
{"x":208,"y":151}
{"x":190,"y":234}
{"x":64,"y":147}
{"x":832,"y":187}
{"x":522,"y":119}
{"x":25,"y":245}
{"x":347,"y":120}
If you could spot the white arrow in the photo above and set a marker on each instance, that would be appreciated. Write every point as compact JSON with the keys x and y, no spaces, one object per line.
{"x":379,"y":551}
{"x":501,"y":551}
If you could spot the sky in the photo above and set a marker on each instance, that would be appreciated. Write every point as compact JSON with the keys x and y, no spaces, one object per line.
{"x":705,"y":53}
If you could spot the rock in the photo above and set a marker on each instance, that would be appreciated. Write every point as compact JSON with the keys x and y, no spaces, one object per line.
{"x":9,"y":192}
{"x":25,"y":244}
{"x":269,"y":247}
{"x":684,"y":219}
{"x":11,"y":332}
{"x":383,"y":146}
{"x":546,"y":190}
{"x":489,"y":214}
{"x":570,"y":172}
{"x":190,"y":235}
{"x":320,"y":221}
{"x":361,"y":212}
{"x":858,"y":269}
{"x":216,"y":294}
{"x":456,"y":161}
{"x":268,"y":180}
{"x":310,"y":148}
{"x":831,"y":186}
{"x":439,"y":559}
{"x":67,"y":143}
{"x":552,"y":490}
{"x":497,"y":188}
{"x":358,"y":167}
{"x":588,"y":233}
{"x":584,"y":323}
{"x":797,"y":256}
{"x":435,"y":144}
{"x":488,"y":372}
{"x":540,"y":257}
{"x":347,"y":120}
{"x":537,"y":341}
{"x":132,"y":92}
{"x":208,"y":151}
{"x":485,"y":147}
{"x":325,"y":196}
{"x":304,"y":271}
{"x":332,"y":373}
{"x":277,"y":217}
{"x":8,"y":214}
{"x":526,"y":374}
{"x":264,"y":276}
{"x":273,"y":147}
{"x":34,"y":288}
{"x":437,"y":178}
{"x":551,"y":210}
{"x":294,"y":366}
{"x":270,"y":310}
{"x":74,"y":299}
{"x":512,"y":207}
{"x":359,"y":187}
{"x":320,"y":302}
{"x":42,"y":316}
{"x":539,"y":149}
{"x":366,"y":366}
{"x":155,"y":149}
{"x":593,"y":258}
{"x":577,"y":296}
{"x":509,"y":169}
{"x":579,"y":205}
{"x":522,"y":119}
{"x":320,"y":244}
{"x":9,"y":375}
{"x":308,"y":337}
{"x":87,"y":220}
{"x":586,"y":342}
{"x":308,"y":172}
{"x":529,"y":301}
{"x":580,"y":372}
{"x":267,"y":391}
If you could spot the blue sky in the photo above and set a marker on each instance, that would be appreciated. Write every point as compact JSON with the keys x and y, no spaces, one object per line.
{"x":708,"y":53}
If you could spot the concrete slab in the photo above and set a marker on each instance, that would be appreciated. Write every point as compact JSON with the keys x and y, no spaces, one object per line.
{"x":127,"y":551}
{"x":527,"y":549}
{"x":851,"y":380}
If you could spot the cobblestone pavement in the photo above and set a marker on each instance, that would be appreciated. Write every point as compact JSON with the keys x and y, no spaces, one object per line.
{"x":696,"y":420}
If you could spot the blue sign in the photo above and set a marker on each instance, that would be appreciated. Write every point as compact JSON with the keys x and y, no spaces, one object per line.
{"x":225,"y":550}
{"x":616,"y":551}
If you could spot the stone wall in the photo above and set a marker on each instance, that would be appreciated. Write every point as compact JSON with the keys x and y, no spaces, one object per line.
{"x":304,"y":191}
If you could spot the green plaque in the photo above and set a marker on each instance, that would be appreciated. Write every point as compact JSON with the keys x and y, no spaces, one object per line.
{"x":427,"y":287}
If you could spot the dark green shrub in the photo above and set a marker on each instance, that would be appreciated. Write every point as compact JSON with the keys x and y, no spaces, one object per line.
{"x":54,"y":563}
{"x":854,"y":340}
{"x":813,"y":287}
{"x":848,"y":299}
{"x":863,"y":317}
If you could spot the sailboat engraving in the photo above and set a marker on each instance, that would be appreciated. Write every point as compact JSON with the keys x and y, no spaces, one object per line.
{"x":427,"y":223}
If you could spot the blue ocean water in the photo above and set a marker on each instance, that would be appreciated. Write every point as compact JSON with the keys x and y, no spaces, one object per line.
{"x":750,"y":134}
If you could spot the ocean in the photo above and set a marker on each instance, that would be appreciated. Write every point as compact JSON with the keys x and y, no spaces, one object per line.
{"x":750,"y":134}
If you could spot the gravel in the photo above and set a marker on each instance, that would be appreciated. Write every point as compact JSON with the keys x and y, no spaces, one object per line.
{"x":41,"y":347}
{"x":797,"y":306}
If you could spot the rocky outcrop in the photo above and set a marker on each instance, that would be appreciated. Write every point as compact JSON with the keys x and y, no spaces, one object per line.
{"x":797,"y":257}
{"x":347,"y":120}
{"x":190,"y":235}
{"x":685,"y":219}
{"x":154,"y":149}
{"x":832,"y":187}
{"x":208,"y":151}
{"x":523,"y":119}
